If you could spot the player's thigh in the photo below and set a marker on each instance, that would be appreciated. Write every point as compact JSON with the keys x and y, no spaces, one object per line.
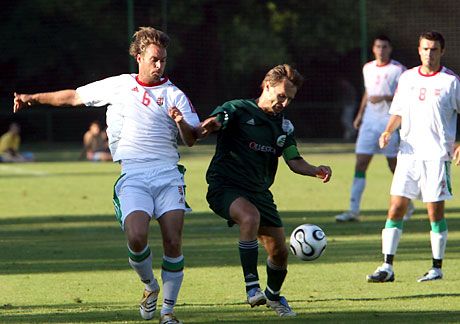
{"x":367,"y":141}
{"x":435,"y":181}
{"x":131,"y":194}
{"x":264,"y":203}
{"x":406,"y":179}
{"x":220,"y":199}
{"x":168,"y":198}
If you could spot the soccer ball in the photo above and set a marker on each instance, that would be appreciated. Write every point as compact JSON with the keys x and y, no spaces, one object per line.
{"x":308,"y":242}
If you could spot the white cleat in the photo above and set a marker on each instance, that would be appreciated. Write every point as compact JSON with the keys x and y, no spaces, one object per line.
{"x":432,"y":274}
{"x":281,"y":307}
{"x":256,"y":297}
{"x":169,"y":319}
{"x":148,"y":304}
{"x":383,"y":273}
{"x":410,"y":211}
{"x":347,"y":216}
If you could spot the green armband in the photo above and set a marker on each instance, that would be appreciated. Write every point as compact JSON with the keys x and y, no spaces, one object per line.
{"x":290,"y":153}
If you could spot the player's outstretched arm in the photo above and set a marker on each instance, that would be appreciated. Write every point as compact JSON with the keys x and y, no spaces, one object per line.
{"x":57,"y":99}
{"x":300,"y":166}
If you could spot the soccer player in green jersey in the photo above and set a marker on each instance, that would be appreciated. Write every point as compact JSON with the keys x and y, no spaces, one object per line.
{"x":252,"y":135}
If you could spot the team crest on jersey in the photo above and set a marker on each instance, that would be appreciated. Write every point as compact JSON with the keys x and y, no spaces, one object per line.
{"x":281,"y":140}
{"x":160,"y":101}
{"x":135,"y":89}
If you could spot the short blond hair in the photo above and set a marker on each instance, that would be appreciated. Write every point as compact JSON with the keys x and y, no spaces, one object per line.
{"x":146,"y":36}
{"x":281,"y":72}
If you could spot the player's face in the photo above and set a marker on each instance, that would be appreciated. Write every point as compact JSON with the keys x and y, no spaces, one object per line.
{"x":430,"y":54}
{"x":152,"y":63}
{"x":381,"y":50}
{"x":280,"y":95}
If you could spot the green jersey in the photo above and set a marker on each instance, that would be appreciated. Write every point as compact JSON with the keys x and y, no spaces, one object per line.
{"x":248,"y":146}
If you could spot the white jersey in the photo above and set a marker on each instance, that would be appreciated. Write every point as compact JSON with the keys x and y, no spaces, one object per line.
{"x":138,"y":125}
{"x":428,"y":106}
{"x":380,"y":80}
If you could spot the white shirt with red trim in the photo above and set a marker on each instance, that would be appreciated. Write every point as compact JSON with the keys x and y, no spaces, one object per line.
{"x":428,"y":106}
{"x":138,"y":125}
{"x":380,"y":80}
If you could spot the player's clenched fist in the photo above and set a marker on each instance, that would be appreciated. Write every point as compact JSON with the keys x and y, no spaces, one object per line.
{"x":175,"y":114}
{"x":21,"y":101}
{"x":324,"y":172}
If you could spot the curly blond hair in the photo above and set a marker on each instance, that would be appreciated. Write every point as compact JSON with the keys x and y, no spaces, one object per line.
{"x":146,"y":36}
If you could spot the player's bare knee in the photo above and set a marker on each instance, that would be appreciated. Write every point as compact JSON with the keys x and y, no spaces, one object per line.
{"x":396,"y":211}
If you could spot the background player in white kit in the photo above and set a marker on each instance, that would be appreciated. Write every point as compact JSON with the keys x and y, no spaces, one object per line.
{"x":426,"y":105}
{"x":145,"y":113}
{"x":380,"y":81}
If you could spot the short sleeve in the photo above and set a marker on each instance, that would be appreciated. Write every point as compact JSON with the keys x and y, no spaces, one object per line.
{"x":99,"y":93}
{"x":225,"y":113}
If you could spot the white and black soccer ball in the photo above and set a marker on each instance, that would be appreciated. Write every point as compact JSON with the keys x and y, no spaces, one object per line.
{"x":308,"y":242}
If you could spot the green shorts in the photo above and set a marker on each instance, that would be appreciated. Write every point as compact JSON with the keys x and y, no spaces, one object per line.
{"x":220,"y":198}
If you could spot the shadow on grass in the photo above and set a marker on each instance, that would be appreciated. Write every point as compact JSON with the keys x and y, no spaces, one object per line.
{"x":212,"y":313}
{"x":46,"y":244}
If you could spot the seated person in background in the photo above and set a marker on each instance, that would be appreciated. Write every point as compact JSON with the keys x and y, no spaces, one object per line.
{"x":95,"y":143}
{"x":9,"y":146}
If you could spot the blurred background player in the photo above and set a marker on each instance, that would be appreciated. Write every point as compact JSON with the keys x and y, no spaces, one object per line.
{"x":145,"y":114}
{"x":380,"y":81}
{"x":252,"y":135}
{"x":425,"y":107}
{"x":347,"y":100}
{"x":95,"y":144}
{"x":9,"y":146}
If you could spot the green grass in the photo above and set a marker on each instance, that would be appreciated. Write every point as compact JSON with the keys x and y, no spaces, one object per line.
{"x":63,"y":258}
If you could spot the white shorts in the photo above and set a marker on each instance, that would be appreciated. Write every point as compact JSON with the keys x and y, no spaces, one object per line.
{"x":152,"y":190}
{"x":368,"y":141}
{"x":428,"y":181}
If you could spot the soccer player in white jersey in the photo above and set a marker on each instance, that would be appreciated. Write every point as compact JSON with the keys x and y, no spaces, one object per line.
{"x":380,"y":80}
{"x":145,"y":113}
{"x":425,"y":106}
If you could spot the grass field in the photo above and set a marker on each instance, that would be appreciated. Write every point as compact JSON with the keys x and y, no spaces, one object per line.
{"x":63,"y":258}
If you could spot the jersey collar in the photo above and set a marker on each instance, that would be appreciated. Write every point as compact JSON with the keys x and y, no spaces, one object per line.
{"x":162,"y":81}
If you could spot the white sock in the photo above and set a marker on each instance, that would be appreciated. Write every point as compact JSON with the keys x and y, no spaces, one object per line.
{"x":357,"y":190}
{"x":144,"y":270}
{"x":172,"y":281}
{"x":390,"y":240}
{"x":438,"y":244}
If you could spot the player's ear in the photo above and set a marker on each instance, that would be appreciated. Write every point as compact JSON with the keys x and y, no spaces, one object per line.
{"x":138,"y":58}
{"x":267,"y":85}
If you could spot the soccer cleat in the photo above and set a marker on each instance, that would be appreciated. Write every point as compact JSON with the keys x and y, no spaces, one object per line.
{"x":381,"y":274}
{"x":148,"y":304}
{"x":256,"y":297}
{"x":347,"y":216}
{"x":281,"y":307}
{"x":169,"y":319}
{"x":410,"y":211}
{"x":432,"y":274}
